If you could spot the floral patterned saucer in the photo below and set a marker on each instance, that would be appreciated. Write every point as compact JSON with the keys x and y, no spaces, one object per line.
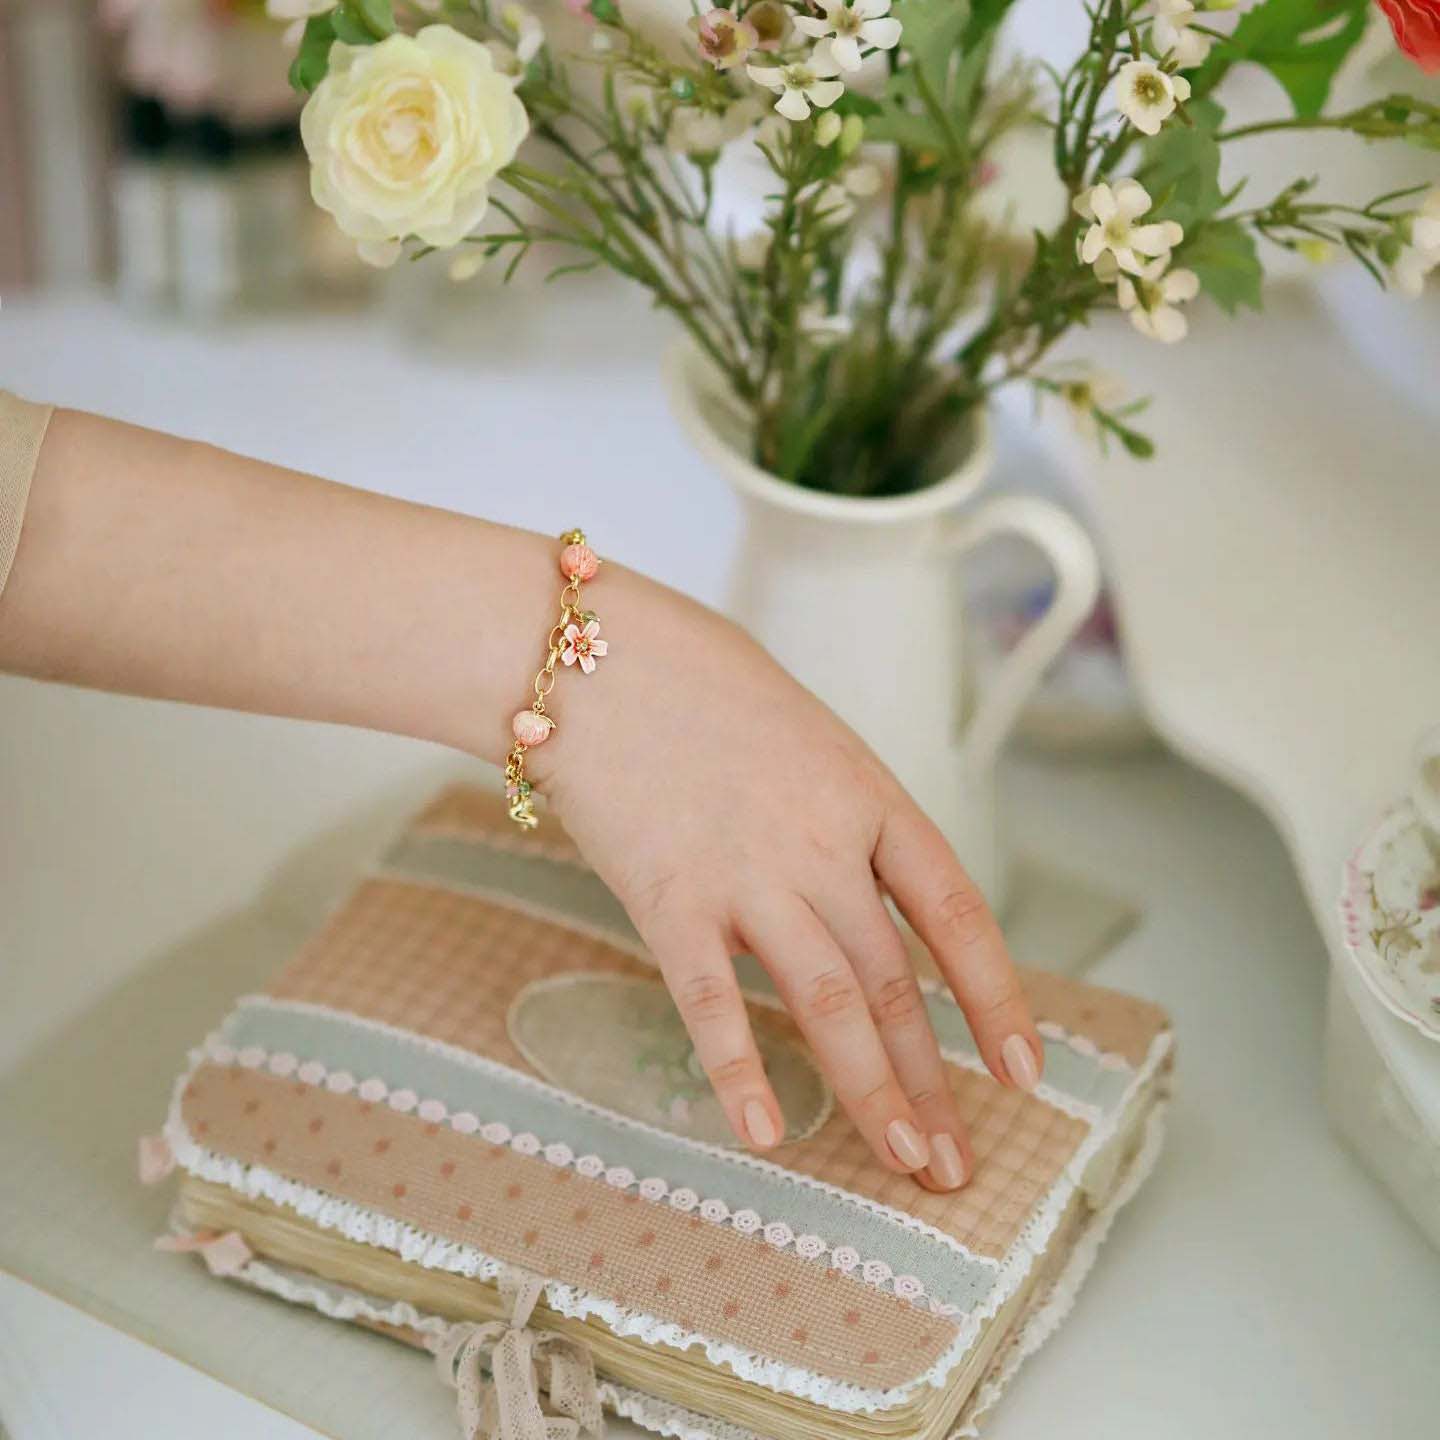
{"x":1390,"y":916}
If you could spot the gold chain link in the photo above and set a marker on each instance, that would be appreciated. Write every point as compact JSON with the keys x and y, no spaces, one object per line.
{"x":518,"y":789}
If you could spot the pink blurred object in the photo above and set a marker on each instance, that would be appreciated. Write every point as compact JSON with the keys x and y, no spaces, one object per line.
{"x":203,"y":55}
{"x":155,"y":1160}
{"x":226,"y":1254}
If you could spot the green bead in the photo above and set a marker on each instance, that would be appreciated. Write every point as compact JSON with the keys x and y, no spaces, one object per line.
{"x":683,"y":88}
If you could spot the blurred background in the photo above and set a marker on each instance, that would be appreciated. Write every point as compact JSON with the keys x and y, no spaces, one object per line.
{"x":1271,"y":614}
{"x":151,"y":174}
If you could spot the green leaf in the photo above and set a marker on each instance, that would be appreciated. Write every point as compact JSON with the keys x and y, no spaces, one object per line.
{"x":312,"y":60}
{"x":1223,"y":255}
{"x":1302,"y":43}
{"x":984,"y":21}
{"x":905,"y":128}
{"x":376,"y":14}
{"x":932,"y":31}
{"x":1181,"y":168}
{"x":349,"y":30}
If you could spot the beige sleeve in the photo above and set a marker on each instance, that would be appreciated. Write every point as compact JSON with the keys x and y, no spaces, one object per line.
{"x":22,"y":428}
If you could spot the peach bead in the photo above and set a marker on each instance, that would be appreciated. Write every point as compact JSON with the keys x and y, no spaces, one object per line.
{"x":579,"y":562}
{"x":531,"y":729}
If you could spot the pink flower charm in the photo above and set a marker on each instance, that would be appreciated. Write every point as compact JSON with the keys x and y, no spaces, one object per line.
{"x":531,"y":729}
{"x":579,"y":562}
{"x":582,"y":645}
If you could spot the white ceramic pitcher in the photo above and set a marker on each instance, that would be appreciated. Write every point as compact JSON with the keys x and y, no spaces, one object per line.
{"x":861,"y":599}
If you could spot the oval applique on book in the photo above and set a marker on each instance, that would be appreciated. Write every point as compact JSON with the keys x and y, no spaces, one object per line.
{"x":618,"y":1041}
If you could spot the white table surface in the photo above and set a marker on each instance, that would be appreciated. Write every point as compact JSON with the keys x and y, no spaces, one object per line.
{"x":1260,"y":1286}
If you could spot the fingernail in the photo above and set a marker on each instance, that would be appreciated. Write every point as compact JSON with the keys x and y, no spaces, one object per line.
{"x":759,"y":1126}
{"x":907,"y":1144}
{"x":947,"y":1169}
{"x":1020,"y":1063}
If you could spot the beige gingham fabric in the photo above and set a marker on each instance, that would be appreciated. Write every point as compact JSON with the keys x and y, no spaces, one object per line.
{"x":1111,"y":1020}
{"x":708,"y":1278}
{"x":450,"y":966}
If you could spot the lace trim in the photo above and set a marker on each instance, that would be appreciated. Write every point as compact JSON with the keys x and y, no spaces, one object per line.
{"x":674,"y":1421}
{"x":1044,"y":1321}
{"x":432,"y":1252}
{"x":342,"y":1303}
{"x":421,"y":1247}
{"x":810,"y":1247}
{"x":1036,"y":1234}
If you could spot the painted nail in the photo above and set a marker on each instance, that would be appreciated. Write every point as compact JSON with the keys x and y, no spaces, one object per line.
{"x":907,"y":1144}
{"x":1019,"y":1061}
{"x":947,"y":1169}
{"x":759,"y":1126}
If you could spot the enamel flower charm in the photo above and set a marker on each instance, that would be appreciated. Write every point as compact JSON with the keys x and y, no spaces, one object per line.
{"x":583,"y":647}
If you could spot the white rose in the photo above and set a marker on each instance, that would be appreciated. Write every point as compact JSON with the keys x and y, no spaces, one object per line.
{"x":404,"y":138}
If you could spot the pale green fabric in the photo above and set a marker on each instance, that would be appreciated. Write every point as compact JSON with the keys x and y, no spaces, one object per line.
{"x":508,"y":877}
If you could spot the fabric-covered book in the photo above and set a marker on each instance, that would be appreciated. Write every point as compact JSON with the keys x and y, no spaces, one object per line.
{"x":466,"y":1114}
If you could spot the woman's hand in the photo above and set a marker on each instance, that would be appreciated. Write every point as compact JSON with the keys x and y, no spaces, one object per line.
{"x":724,"y":805}
{"x":732,"y":812}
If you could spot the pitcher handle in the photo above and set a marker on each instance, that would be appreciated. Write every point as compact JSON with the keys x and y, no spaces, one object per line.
{"x":1063,"y":541}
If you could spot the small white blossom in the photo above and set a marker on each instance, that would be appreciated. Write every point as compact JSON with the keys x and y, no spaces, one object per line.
{"x":1422,"y":255}
{"x":526,"y":31}
{"x":752,"y":250}
{"x":801,"y":84}
{"x":863,"y":181}
{"x":1083,"y":388}
{"x":834,"y":200}
{"x":820,"y":324}
{"x":1411,"y":269}
{"x":467,"y":265}
{"x":1150,"y":299}
{"x":694,"y":131}
{"x":1172,"y":34}
{"x":297,"y":12}
{"x":1113,"y":213}
{"x":637,"y":104}
{"x":849,"y":26}
{"x":1147,"y":96}
{"x":831,"y":203}
{"x":827,"y":128}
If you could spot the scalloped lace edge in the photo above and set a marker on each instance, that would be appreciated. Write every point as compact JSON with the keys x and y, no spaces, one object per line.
{"x":1037,"y":1231}
{"x":469,"y":1060}
{"x":1045,"y":1320}
{"x":662,"y":1417}
{"x":420,"y":1247}
{"x":339,"y":1302}
{"x":432,"y":1252}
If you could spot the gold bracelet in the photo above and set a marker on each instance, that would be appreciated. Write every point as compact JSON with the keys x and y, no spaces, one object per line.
{"x":574,"y":640}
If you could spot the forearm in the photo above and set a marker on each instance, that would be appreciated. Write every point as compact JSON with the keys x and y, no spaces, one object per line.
{"x":170,"y":569}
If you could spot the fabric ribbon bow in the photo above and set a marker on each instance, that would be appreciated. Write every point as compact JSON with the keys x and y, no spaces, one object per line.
{"x":522,"y":1361}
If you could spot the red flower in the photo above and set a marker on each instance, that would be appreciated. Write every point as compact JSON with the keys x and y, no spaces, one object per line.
{"x":1416,"y":24}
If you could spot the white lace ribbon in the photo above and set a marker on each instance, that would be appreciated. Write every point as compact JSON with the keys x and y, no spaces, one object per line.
{"x":522,"y":1362}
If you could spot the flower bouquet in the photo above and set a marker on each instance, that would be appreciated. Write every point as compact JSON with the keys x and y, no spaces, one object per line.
{"x":875,"y":306}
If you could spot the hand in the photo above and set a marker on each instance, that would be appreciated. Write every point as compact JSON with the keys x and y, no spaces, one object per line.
{"x":731,"y":812}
